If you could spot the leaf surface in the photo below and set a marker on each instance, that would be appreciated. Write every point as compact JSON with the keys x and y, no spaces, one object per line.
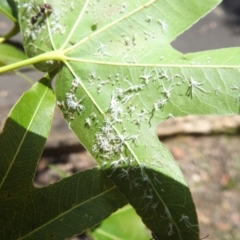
{"x":121,"y":78}
{"x":129,"y":226}
{"x":9,"y":54}
{"x":9,"y":9}
{"x":58,"y":211}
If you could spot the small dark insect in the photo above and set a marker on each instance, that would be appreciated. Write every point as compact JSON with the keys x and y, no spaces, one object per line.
{"x":40,"y":11}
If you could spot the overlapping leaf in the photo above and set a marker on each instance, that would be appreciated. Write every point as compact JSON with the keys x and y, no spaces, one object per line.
{"x":60,"y":210}
{"x":107,"y":230}
{"x":9,"y":54}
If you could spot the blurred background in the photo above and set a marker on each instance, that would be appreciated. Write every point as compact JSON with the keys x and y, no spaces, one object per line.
{"x":205,"y":147}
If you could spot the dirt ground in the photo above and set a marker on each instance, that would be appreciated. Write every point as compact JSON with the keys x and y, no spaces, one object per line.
{"x":211,"y":166}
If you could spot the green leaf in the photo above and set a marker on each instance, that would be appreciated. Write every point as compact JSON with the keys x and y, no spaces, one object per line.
{"x":129,"y":226}
{"x":59,"y":210}
{"x":9,"y":9}
{"x":36,"y":37}
{"x":32,"y":116}
{"x":9,"y":54}
{"x":121,"y":78}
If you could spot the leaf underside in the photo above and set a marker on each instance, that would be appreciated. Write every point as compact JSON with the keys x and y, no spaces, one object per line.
{"x":58,"y":211}
{"x":121,"y":78}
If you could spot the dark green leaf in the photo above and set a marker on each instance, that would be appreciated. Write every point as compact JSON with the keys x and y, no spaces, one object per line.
{"x":57,"y":211}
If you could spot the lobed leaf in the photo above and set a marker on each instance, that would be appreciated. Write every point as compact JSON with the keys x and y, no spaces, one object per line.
{"x":120,"y":78}
{"x":57,"y":211}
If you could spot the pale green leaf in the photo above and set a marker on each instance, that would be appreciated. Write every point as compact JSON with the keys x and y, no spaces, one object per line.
{"x":9,"y":9}
{"x":9,"y":54}
{"x":120,"y":78}
{"x":129,"y":226}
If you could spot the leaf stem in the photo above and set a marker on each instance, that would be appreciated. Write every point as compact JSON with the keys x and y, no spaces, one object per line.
{"x":54,"y":55}
{"x":11,"y":33}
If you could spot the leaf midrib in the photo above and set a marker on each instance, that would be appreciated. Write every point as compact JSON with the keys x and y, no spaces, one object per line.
{"x":68,"y":211}
{"x":23,"y":138}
